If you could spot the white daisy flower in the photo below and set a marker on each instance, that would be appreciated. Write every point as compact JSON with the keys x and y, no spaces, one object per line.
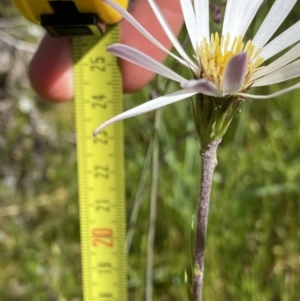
{"x":223,"y":67}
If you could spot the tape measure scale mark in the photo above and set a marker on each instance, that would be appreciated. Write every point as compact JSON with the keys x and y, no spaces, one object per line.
{"x":105,"y":235}
{"x":100,"y":161}
{"x":100,"y":169}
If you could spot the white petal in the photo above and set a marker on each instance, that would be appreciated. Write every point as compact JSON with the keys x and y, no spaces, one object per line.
{"x":285,"y":73}
{"x":233,"y":9}
{"x":190,"y":20}
{"x":164,"y":24}
{"x":238,"y":16}
{"x":285,"y":59}
{"x":281,"y":92}
{"x":234,"y":74}
{"x":149,"y":106}
{"x":202,"y":18}
{"x":245,"y":18}
{"x":202,"y":86}
{"x":142,"y":30}
{"x":137,"y":57}
{"x":284,"y":40}
{"x":273,"y":20}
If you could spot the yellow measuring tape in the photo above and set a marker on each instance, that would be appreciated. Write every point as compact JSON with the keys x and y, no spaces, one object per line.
{"x":98,"y":96}
{"x":98,"y":90}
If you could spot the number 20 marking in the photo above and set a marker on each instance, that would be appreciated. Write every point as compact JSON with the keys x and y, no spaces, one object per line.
{"x":102,"y":236}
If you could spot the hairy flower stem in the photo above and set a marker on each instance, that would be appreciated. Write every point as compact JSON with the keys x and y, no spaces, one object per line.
{"x":209,"y":162}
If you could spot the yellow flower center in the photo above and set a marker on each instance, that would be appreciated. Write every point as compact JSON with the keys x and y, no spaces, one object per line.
{"x":215,"y":55}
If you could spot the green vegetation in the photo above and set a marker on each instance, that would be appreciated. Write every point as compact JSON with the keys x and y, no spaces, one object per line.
{"x":253,"y":248}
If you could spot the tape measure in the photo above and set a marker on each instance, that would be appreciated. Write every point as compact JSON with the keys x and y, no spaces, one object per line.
{"x":98,"y":97}
{"x":98,"y":90}
{"x":34,"y":10}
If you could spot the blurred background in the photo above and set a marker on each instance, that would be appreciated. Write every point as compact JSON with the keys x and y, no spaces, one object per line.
{"x":253,"y":246}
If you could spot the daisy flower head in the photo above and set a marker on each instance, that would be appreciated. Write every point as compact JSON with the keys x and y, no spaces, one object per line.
{"x":224,"y":66}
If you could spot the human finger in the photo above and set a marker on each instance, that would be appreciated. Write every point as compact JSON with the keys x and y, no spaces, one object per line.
{"x":51,"y":69}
